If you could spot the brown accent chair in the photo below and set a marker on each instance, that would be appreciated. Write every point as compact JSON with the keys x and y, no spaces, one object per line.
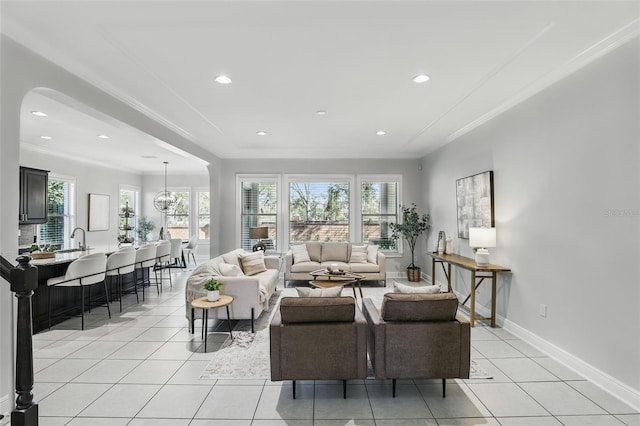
{"x":318,"y":338}
{"x":418,"y":336}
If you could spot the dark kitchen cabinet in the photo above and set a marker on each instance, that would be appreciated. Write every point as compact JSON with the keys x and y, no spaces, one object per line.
{"x":33,"y":196}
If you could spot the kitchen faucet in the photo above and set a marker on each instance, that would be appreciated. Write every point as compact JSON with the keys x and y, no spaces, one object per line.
{"x":83,"y":245}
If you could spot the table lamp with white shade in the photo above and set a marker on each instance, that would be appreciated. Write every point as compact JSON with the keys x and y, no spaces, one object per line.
{"x":481,"y":239}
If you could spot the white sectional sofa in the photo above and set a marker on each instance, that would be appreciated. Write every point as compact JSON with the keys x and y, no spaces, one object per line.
{"x":251,"y":293}
{"x":347,"y":256}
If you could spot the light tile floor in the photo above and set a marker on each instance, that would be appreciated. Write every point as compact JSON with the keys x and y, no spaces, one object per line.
{"x":142,"y":367}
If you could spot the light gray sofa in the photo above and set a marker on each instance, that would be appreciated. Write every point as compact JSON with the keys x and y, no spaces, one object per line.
{"x":322,"y":255}
{"x":251,"y":294}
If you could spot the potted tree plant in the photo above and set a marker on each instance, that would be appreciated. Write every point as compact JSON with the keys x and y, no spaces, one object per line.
{"x":212,"y":286}
{"x":413,"y":225}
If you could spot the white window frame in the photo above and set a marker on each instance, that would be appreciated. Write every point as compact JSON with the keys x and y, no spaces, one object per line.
{"x":195,"y":206}
{"x":315,"y":178}
{"x":378,"y":178}
{"x":188,"y":190}
{"x":136,"y":208}
{"x":271,"y":178}
{"x":73,"y":208}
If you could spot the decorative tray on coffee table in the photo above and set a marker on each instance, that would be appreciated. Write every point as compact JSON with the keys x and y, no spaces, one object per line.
{"x":328,"y":272}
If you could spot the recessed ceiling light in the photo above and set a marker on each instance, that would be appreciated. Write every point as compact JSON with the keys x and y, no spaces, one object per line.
{"x":381,"y":133}
{"x":223,"y":79}
{"x":261,"y":133}
{"x":103,"y":137}
{"x":47,"y":138}
{"x":148,"y":156}
{"x":39,"y":113}
{"x":420,"y":78}
{"x":321,"y":112}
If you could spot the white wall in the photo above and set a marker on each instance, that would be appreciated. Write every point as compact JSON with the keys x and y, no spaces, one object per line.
{"x":409,"y":169}
{"x":21,"y":71}
{"x":567,"y":185}
{"x":90,"y":178}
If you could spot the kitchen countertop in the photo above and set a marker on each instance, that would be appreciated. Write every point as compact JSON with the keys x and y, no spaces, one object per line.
{"x":71,"y":256}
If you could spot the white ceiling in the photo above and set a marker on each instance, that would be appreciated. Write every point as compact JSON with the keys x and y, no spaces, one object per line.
{"x":74,"y":129}
{"x":288,"y":59}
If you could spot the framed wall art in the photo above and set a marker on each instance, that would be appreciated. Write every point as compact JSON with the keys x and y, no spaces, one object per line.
{"x":98,"y":212}
{"x":474,"y":196}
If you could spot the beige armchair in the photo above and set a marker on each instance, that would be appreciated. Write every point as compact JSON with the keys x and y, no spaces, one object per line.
{"x":418,"y":336}
{"x":318,"y":338}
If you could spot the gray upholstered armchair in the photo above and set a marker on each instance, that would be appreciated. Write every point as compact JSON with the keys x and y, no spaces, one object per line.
{"x":318,"y":338}
{"x":418,"y":336}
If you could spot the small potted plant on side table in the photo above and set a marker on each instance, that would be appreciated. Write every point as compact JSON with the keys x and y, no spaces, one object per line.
{"x":212,"y":286}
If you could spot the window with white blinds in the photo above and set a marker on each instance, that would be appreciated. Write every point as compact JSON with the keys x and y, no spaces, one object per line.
{"x":325,"y":208}
{"x":258,"y":208}
{"x":379,"y":207}
{"x":61,"y":206}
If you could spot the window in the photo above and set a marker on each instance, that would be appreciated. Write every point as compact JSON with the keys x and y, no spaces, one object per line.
{"x":258,"y":208}
{"x":178,"y":220}
{"x":61,"y":213}
{"x":128,"y":213}
{"x":324,"y":208}
{"x":319,"y":209}
{"x":379,"y":207}
{"x":203,"y":215}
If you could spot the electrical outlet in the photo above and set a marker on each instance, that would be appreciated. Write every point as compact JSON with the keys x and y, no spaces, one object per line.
{"x":542,"y":310}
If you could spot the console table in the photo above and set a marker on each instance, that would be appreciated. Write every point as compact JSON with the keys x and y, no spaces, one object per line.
{"x":477,"y":273}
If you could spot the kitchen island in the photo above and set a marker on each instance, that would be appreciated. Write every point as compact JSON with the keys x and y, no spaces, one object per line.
{"x":64,"y":300}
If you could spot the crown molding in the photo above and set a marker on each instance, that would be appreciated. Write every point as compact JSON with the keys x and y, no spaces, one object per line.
{"x":599,"y":49}
{"x":48,"y":51}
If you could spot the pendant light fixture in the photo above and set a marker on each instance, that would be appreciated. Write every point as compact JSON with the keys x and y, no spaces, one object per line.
{"x":164,"y":201}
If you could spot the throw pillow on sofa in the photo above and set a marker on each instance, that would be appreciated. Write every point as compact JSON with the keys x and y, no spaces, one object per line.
{"x":372,"y":254}
{"x":253,"y":263}
{"x":408,"y":289}
{"x":319,"y":292}
{"x":233,"y":257}
{"x":300,"y":253}
{"x":229,"y":270}
{"x":358,"y":254}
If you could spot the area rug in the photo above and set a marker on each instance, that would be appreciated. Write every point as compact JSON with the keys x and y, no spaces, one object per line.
{"x":246,"y":356}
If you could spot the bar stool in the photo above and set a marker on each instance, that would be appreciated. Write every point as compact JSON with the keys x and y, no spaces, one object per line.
{"x":163,"y":256}
{"x":82,"y":272}
{"x":176,"y":251}
{"x":122,"y":263}
{"x":190,"y":248}
{"x":145,"y":259}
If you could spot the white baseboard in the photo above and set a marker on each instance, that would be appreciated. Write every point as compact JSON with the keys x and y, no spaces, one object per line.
{"x":391,"y":275}
{"x":5,"y":406}
{"x":610,"y":384}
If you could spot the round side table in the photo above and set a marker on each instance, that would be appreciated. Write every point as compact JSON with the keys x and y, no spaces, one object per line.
{"x":205,"y":305}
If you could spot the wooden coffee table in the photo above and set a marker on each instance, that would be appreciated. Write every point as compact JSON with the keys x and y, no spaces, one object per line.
{"x":205,"y":305}
{"x":324,"y":279}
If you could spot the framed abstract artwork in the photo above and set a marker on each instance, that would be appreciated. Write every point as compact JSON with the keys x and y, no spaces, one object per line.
{"x":474,"y":196}
{"x":98,"y":212}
